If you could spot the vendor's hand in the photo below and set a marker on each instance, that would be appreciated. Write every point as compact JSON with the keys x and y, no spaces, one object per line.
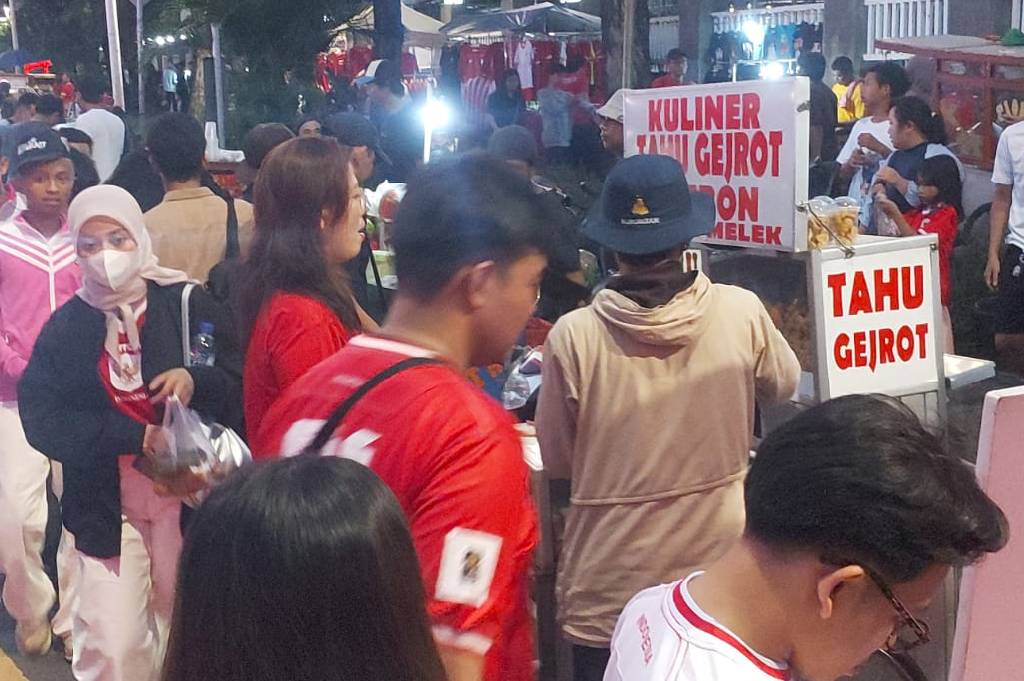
{"x":886,"y":205}
{"x":176,"y":382}
{"x":181,"y":485}
{"x":857,"y":159}
{"x":153,"y":440}
{"x":888,"y":175}
{"x":992,"y":269}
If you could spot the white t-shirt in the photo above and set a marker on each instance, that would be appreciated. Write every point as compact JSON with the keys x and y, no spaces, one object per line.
{"x":1009,"y":169}
{"x":663,"y":635}
{"x":881,"y":133}
{"x":107,"y":133}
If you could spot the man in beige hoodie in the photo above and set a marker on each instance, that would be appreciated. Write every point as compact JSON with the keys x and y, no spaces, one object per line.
{"x":647,"y":406}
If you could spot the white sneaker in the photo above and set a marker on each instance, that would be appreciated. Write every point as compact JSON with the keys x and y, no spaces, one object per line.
{"x":33,"y":640}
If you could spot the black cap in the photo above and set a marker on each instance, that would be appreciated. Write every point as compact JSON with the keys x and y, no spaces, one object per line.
{"x":647,"y":207}
{"x":32,"y":142}
{"x":514,"y":143}
{"x":261,"y":140}
{"x":355,"y":130}
{"x":381,"y":72}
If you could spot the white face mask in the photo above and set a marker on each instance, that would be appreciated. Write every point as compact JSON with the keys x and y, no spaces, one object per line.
{"x":113,"y":269}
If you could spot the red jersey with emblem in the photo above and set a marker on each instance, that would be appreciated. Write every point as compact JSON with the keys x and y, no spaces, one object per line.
{"x":454,"y":460}
{"x":121,"y":376}
{"x":943,"y":221}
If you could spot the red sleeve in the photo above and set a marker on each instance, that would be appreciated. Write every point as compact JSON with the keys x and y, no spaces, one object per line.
{"x":945,"y":223}
{"x":475,"y":528}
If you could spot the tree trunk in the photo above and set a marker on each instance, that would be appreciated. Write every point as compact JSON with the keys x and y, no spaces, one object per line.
{"x":625,"y":32}
{"x":388,"y":32}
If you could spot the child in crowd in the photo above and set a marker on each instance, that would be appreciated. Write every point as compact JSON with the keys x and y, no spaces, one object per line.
{"x":941,"y":194}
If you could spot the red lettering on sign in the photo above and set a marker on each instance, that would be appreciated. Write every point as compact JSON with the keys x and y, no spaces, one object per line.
{"x":726,"y":203}
{"x":913,"y":287}
{"x":748,"y":203}
{"x":654,"y":107}
{"x":860,"y":298}
{"x":775,"y":142}
{"x":751,"y":111}
{"x":841,"y":350}
{"x":887,"y":289}
{"x":886,"y":343}
{"x":700,"y":155}
{"x":836,"y":283}
{"x":922,"y":336}
{"x":732,"y":112}
{"x":875,"y":347}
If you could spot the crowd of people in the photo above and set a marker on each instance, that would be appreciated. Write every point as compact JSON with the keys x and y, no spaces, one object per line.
{"x":387,"y":527}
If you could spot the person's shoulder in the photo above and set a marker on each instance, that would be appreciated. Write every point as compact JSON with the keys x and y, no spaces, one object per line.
{"x":1014,"y":132}
{"x":285,"y":305}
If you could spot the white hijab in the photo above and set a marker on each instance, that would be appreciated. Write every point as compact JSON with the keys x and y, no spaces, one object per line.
{"x":119,"y":306}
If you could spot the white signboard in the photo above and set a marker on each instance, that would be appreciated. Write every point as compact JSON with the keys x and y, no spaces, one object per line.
{"x":745,"y":144}
{"x":880,"y":319}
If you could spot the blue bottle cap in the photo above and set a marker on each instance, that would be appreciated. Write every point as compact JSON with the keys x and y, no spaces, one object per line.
{"x":206,"y":327}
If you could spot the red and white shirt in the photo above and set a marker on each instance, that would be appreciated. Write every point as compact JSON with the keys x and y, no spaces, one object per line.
{"x":663,"y":635}
{"x":453,"y":459}
{"x":121,"y":376}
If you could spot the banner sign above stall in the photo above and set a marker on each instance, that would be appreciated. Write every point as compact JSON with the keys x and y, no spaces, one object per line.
{"x":881,"y":314}
{"x":745,"y":144}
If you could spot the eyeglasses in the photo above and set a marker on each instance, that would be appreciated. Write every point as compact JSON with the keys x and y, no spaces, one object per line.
{"x":911,"y":632}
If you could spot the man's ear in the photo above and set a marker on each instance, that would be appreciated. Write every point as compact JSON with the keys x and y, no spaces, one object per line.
{"x":831,"y":582}
{"x":473,"y":285}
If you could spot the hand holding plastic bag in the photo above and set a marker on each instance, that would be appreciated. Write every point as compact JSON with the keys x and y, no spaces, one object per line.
{"x":194,"y":456}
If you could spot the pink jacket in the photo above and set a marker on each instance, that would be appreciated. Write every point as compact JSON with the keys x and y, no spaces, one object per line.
{"x":37,"y":275}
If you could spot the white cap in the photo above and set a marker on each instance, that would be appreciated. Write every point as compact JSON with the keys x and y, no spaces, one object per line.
{"x":613,"y":108}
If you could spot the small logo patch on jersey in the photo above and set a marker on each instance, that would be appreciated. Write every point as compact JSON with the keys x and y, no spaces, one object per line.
{"x":468,"y":563}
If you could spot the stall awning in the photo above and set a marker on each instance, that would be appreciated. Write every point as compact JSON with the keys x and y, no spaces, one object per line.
{"x":543,"y":18}
{"x":420,"y":30}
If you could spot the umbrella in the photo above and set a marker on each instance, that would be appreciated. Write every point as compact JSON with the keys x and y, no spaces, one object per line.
{"x":15,"y":59}
{"x":542,"y":18}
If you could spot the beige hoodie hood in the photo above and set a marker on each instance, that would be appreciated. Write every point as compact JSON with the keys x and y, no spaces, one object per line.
{"x":674,"y":324}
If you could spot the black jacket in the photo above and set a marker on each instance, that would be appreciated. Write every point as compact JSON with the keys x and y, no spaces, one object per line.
{"x":69,"y":417}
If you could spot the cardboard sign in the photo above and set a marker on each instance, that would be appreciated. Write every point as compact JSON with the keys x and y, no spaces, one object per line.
{"x":745,"y":144}
{"x":879,"y":332}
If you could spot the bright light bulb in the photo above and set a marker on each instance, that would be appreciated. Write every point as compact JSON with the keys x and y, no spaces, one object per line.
{"x":159,"y":40}
{"x":435,"y":114}
{"x":169,"y":39}
{"x":773,"y":71}
{"x":754,"y":32}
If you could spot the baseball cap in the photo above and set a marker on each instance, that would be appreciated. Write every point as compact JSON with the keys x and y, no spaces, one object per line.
{"x":381,"y":72}
{"x":355,"y":130}
{"x":32,"y":142}
{"x":514,"y":143}
{"x":614,"y":107}
{"x":647,"y":207}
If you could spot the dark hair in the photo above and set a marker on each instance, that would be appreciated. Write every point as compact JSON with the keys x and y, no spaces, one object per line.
{"x":297,"y":182}
{"x":136,"y":176}
{"x":843,"y":65}
{"x":262,"y":139}
{"x":461,"y":211}
{"x":514,"y":143}
{"x":91,"y":88}
{"x":27,"y":99}
{"x":943,"y":173}
{"x":75,"y":136}
{"x":812,"y":65}
{"x":176,"y":144}
{"x":307,"y":118}
{"x":649,"y":260}
{"x":916,"y":111}
{"x":894,"y":76}
{"x":675,"y":54}
{"x":86,"y":174}
{"x":50,"y":105}
{"x":859,"y":478}
{"x":7,"y":107}
{"x":303,"y":568}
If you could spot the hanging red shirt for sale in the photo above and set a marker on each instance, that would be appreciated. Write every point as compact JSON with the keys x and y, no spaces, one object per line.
{"x":452,"y":457}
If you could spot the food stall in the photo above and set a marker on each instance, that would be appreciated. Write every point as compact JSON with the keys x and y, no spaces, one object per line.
{"x":862,"y":313}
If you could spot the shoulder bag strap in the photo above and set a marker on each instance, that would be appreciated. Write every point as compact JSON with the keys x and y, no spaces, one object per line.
{"x":186,"y":342}
{"x":342,"y":410}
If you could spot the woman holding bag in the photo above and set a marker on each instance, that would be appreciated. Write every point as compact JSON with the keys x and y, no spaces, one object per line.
{"x":92,"y":398}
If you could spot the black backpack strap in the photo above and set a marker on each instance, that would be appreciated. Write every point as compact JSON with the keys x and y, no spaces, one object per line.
{"x":232,"y":248}
{"x":342,"y":410}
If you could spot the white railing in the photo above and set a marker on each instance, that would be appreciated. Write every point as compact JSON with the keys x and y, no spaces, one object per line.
{"x":811,"y":13}
{"x":890,"y":19}
{"x":664,"y":36}
{"x":1018,"y":14}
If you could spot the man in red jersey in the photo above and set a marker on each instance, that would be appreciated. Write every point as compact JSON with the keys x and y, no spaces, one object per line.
{"x":471,"y":244}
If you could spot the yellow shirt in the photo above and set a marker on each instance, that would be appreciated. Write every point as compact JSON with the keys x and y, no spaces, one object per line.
{"x":189,"y":230}
{"x":858,"y":104}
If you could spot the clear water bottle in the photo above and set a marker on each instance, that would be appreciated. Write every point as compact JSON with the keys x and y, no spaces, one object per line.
{"x":204,"y":352}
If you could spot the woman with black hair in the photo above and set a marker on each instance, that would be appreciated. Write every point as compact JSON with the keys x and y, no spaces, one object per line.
{"x":506,"y":104}
{"x":294,"y":303}
{"x":918,"y":133}
{"x":941,"y":193}
{"x":301,"y":569}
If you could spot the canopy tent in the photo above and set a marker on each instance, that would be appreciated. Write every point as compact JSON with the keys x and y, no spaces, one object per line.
{"x":420,"y":30}
{"x":543,"y":18}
